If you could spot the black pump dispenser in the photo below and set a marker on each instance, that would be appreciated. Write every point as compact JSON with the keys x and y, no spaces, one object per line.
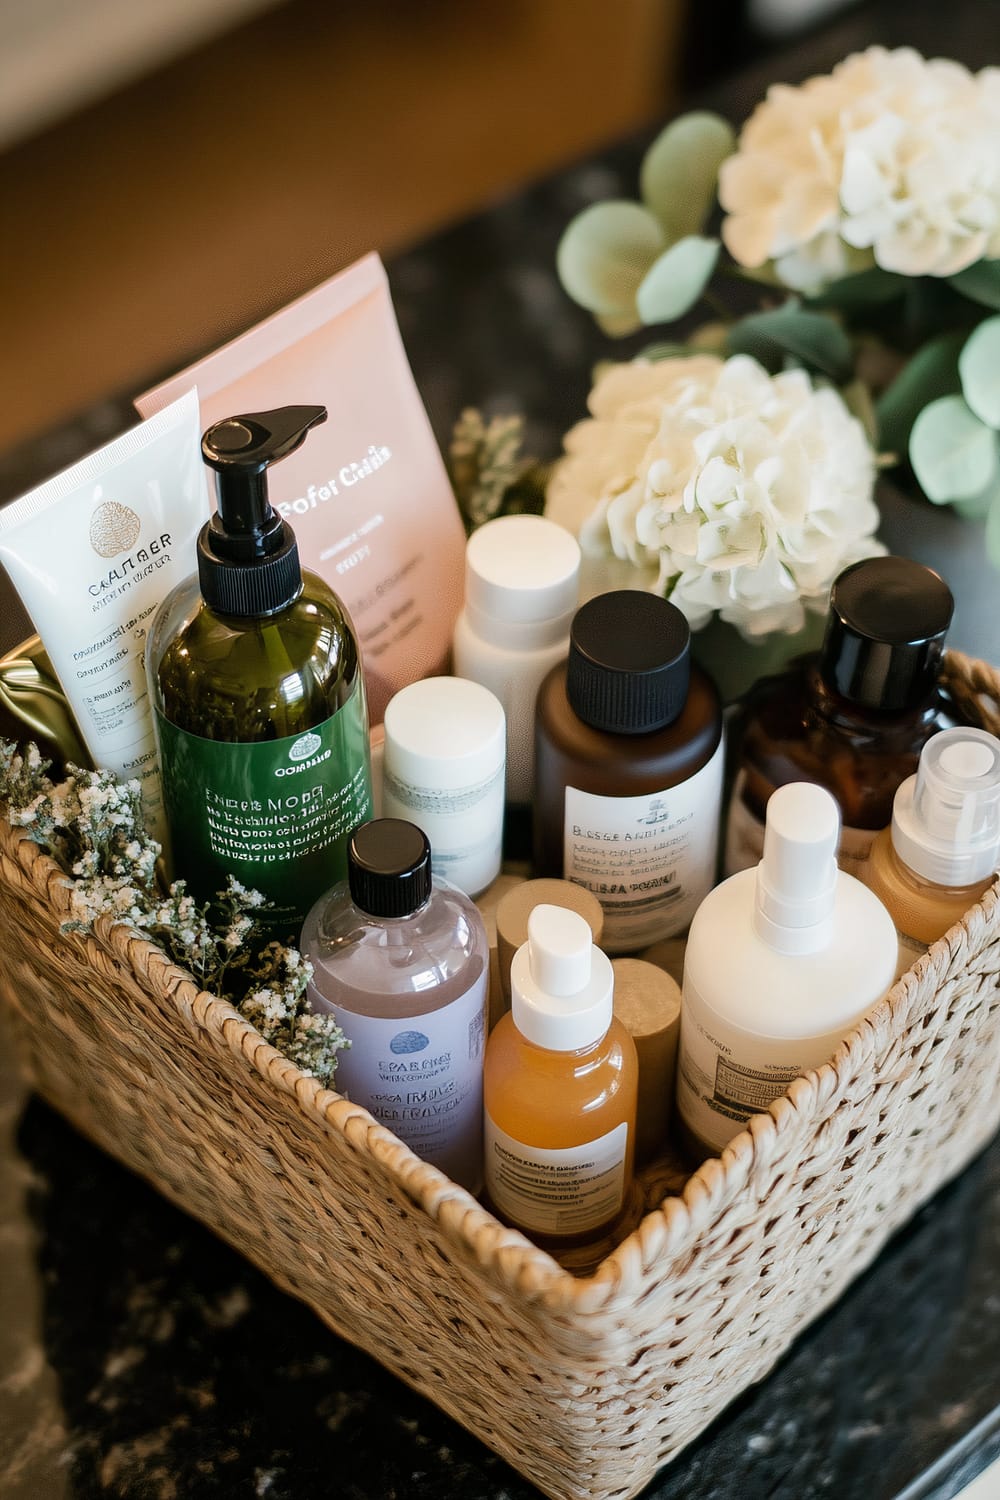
{"x":248,"y":559}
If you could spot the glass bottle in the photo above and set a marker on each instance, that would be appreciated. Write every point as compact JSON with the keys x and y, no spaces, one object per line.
{"x":258,"y":697}
{"x":852,"y":719}
{"x":628,"y":768}
{"x":401,"y":959}
{"x":560,"y":1089}
{"x":941,"y":851}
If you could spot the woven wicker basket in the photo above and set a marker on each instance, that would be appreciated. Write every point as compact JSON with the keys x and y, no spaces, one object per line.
{"x":586,"y":1384}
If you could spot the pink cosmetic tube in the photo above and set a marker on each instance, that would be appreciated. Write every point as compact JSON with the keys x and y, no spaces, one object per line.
{"x":368,"y":496}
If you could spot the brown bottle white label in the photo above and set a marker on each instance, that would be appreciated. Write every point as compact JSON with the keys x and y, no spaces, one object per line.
{"x":649,"y":860}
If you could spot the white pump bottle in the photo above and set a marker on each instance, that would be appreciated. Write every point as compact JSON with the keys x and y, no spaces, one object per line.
{"x":781,"y":962}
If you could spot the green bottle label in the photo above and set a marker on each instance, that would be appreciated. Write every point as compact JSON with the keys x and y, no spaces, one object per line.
{"x":275,"y":815}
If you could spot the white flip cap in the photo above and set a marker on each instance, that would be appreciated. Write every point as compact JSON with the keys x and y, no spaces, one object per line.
{"x":946,"y":819}
{"x":562,"y":986}
{"x":797,"y":878}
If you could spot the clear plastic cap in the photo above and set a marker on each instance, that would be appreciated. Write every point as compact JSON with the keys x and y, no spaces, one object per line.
{"x":946,"y":819}
{"x":562,"y":986}
{"x":797,"y":878}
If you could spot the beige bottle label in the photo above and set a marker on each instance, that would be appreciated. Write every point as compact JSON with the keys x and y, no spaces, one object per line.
{"x":569,"y":1191}
{"x":649,"y":860}
{"x":745,"y":838}
{"x":725,"y":1075}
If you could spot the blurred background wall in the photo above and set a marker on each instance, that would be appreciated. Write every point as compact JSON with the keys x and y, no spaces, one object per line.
{"x":175,"y":170}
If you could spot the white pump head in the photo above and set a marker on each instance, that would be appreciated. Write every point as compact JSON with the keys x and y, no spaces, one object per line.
{"x":797,"y":878}
{"x":561,"y":986}
{"x":946,"y":819}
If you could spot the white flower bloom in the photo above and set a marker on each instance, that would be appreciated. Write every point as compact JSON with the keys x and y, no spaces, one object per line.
{"x":720,"y":486}
{"x":891,"y":158}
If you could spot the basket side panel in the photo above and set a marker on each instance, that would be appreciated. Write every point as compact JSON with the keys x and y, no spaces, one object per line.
{"x":846,"y":1160}
{"x":305,"y":1201}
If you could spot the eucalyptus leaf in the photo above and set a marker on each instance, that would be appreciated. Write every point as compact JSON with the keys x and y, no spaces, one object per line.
{"x":680,"y":170}
{"x":862,"y":290}
{"x":979,"y":367}
{"x":617,"y":325}
{"x":858,"y":400}
{"x":811,"y":338}
{"x":677,"y":279}
{"x":993,"y":533}
{"x":981,"y":282}
{"x":604,"y":254}
{"x":953,"y":453}
{"x":932,"y":372}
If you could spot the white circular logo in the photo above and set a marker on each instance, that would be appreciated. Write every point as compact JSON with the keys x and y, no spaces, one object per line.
{"x":305,"y":745}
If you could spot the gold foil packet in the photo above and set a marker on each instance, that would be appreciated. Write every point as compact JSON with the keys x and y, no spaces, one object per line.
{"x":33,"y":706}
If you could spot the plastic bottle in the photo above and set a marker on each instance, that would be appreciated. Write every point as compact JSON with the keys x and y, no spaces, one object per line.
{"x":852,"y":719}
{"x":521,"y":579}
{"x":401,"y":959}
{"x":560,"y":1088}
{"x":259,"y":702}
{"x":941,"y":851}
{"x":628,"y":768}
{"x":781,"y":962}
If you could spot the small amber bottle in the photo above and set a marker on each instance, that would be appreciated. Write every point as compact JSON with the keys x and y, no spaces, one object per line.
{"x":560,"y":1089}
{"x":941,"y":851}
{"x":852,"y":719}
{"x":628,"y":768}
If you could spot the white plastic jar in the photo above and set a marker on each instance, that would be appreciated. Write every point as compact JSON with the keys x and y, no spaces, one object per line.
{"x":443,"y":769}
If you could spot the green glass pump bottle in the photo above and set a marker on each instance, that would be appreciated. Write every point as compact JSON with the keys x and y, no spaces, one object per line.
{"x":259,"y":703}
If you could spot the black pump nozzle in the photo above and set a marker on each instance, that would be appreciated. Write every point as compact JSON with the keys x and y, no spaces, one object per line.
{"x":248,"y":561}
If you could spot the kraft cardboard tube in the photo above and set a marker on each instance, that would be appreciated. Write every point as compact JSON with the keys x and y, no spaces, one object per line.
{"x":487,"y":904}
{"x":648,"y":1003}
{"x":516,"y":906}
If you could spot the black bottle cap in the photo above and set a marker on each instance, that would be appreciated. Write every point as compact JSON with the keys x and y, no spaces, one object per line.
{"x":885,"y":635}
{"x":629,"y":662}
{"x":248,"y":560}
{"x":389,"y":867}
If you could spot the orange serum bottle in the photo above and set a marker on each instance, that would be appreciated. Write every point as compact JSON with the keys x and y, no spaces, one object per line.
{"x":560,"y":1089}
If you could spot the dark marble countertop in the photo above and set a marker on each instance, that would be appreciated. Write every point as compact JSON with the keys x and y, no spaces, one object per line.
{"x":141,"y":1358}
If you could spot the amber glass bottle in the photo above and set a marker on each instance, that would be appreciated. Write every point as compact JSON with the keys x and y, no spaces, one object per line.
{"x":560,"y":1089}
{"x":628,"y":768}
{"x":852,"y":719}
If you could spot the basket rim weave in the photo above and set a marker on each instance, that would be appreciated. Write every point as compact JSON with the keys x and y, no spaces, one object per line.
{"x":667,"y":1231}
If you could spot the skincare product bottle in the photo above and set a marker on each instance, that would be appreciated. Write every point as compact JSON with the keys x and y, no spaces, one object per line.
{"x":400,"y":959}
{"x":782,"y":961}
{"x":942,"y":849}
{"x":515,"y":908}
{"x":560,"y":1088}
{"x":628,"y":768}
{"x":521,"y":577}
{"x":259,"y":702}
{"x":853,"y":718}
{"x":443,"y":769}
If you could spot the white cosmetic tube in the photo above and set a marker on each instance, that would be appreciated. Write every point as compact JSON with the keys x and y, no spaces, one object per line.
{"x":92,"y":552}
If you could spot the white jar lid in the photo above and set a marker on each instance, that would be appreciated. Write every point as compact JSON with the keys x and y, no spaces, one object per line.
{"x":561,"y":985}
{"x":522,"y":569}
{"x":444,"y":732}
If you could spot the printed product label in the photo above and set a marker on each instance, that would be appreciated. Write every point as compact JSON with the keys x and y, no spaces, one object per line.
{"x":422,"y":1078}
{"x":464,"y":824}
{"x":576,"y":1190}
{"x":275,"y":815}
{"x":649,"y":860}
{"x":724,"y":1076}
{"x":745,"y":838}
